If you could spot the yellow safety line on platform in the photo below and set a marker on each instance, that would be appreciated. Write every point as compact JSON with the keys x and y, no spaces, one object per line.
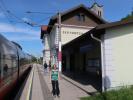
{"x":29,"y":89}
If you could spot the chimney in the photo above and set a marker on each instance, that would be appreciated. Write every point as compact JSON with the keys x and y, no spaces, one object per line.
{"x":97,"y":9}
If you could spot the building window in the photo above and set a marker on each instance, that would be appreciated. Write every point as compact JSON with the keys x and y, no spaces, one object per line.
{"x":80,"y":17}
{"x":93,"y":63}
{"x":99,"y":13}
{"x":93,"y":66}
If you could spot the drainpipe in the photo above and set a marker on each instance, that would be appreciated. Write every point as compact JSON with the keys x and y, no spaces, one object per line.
{"x":102,"y":58}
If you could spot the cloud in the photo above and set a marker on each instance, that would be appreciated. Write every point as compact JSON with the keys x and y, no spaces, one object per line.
{"x":23,"y":38}
{"x":19,"y":33}
{"x":26,"y":19}
{"x":4,"y":27}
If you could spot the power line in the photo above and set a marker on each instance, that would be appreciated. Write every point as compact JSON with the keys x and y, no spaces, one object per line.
{"x":6,"y":15}
{"x":38,"y":23}
{"x":40,"y":12}
{"x":26,"y":22}
{"x":9,"y":14}
{"x":42,"y":20}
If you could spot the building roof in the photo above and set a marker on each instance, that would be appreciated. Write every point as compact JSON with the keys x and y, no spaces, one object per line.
{"x":99,"y":30}
{"x":43,"y":30}
{"x":53,"y":19}
{"x":114,"y":24}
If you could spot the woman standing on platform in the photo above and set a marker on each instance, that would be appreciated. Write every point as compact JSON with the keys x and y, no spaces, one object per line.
{"x":54,"y":77}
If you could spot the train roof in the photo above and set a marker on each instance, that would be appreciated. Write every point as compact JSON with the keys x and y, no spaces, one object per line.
{"x":7,"y":47}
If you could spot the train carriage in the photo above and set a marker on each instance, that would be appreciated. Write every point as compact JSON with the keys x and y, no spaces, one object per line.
{"x":13,"y":63}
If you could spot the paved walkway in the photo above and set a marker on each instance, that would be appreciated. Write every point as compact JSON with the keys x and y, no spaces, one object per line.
{"x":39,"y":87}
{"x":39,"y":90}
{"x":67,"y":89}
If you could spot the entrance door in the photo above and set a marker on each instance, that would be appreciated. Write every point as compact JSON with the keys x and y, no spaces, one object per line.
{"x":84,"y":62}
{"x":64,"y":63}
{"x":72,"y":61}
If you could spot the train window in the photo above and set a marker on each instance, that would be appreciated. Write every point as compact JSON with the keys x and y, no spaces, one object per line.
{"x":5,"y":69}
{"x":7,"y":63}
{"x":0,"y":71}
{"x":14,"y":64}
{"x":7,"y":66}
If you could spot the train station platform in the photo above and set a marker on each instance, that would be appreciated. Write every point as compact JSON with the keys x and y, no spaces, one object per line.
{"x":38,"y":87}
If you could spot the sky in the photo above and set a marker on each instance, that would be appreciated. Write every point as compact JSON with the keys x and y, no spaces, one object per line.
{"x":20,"y":20}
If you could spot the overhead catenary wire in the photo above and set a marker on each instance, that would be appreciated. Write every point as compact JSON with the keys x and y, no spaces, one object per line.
{"x":40,"y":12}
{"x":3,"y":9}
{"x":44,"y":19}
{"x":33,"y":24}
{"x":38,"y":23}
{"x":8,"y":14}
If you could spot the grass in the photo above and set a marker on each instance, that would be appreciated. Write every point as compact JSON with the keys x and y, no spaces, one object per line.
{"x":122,"y":94}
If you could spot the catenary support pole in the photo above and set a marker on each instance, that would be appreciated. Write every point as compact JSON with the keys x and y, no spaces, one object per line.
{"x":59,"y":43}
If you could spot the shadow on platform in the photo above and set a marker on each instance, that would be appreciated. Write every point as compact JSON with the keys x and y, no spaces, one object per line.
{"x":86,"y":79}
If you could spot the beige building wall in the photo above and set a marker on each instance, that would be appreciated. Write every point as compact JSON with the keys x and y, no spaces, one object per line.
{"x":53,"y":44}
{"x":118,"y":44}
{"x":52,"y":38}
{"x":46,"y":51}
{"x":70,"y":33}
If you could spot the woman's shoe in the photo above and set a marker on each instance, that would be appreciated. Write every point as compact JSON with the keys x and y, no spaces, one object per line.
{"x":54,"y":96}
{"x":58,"y":96}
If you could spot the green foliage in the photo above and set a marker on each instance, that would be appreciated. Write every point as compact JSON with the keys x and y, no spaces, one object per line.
{"x":128,"y":17}
{"x":122,"y":94}
{"x":37,"y":60}
{"x":34,"y":59}
{"x":40,"y":60}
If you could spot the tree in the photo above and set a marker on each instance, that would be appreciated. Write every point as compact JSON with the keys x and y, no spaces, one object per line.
{"x":128,"y":17}
{"x":34,"y":59}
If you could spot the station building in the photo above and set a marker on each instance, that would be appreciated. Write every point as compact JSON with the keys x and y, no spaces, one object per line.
{"x":105,"y":51}
{"x":74,"y":22}
{"x":91,"y":45}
